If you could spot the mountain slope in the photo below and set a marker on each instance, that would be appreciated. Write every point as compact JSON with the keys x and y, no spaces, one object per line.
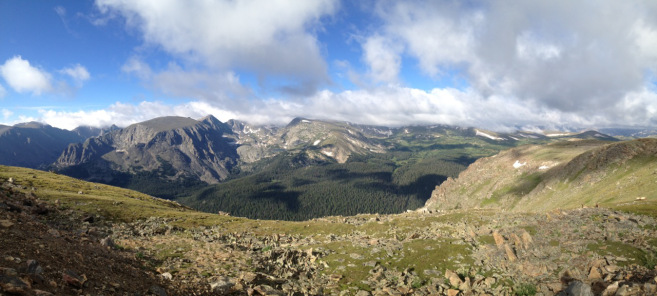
{"x":175,"y":147}
{"x":558,"y":175}
{"x":115,"y":241}
{"x":33,"y":144}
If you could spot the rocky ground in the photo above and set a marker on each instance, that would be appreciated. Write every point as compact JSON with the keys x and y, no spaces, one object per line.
{"x":49,"y":250}
{"x":46,"y":248}
{"x":591,"y":251}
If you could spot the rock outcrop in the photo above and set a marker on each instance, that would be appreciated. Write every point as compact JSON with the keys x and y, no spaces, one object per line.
{"x":178,"y":147}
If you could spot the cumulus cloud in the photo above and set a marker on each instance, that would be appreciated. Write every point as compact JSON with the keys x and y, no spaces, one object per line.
{"x":270,"y":38}
{"x":23,"y":77}
{"x":569,"y":56}
{"x":78,"y":73}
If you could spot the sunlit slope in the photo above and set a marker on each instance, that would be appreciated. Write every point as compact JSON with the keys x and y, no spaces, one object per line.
{"x":559,"y":175}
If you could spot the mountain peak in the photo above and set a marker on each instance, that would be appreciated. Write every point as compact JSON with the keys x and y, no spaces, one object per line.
{"x":32,"y":124}
{"x":166,"y":123}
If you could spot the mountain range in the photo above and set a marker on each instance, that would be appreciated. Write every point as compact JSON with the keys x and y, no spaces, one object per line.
{"x":306,"y":169}
{"x":573,"y":217}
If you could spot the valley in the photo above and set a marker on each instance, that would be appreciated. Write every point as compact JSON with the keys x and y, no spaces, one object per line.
{"x":379,"y":211}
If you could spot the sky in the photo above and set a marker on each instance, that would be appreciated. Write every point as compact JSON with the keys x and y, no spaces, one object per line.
{"x":499,"y":65}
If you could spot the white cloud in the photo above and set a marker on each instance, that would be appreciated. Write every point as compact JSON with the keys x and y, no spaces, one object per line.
{"x":268,"y":37}
{"x":3,"y":92}
{"x":78,"y":72}
{"x":570,"y":56}
{"x":383,"y":58}
{"x":23,"y":77}
{"x":390,"y":105}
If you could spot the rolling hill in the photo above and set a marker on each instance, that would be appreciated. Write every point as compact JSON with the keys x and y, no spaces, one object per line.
{"x":567,"y":174}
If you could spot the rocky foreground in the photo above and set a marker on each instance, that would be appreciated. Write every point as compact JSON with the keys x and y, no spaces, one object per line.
{"x":46,"y":248}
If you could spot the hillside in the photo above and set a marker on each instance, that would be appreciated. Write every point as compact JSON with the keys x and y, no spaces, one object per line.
{"x":115,"y":241}
{"x":33,"y":145}
{"x":559,"y":175}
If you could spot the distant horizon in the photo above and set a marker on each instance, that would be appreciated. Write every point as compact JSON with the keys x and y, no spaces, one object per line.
{"x":495,"y":65}
{"x":545,"y":132}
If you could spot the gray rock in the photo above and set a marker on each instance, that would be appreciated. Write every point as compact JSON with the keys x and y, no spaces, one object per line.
{"x":222,"y":285}
{"x":33,"y":267}
{"x":157,"y":290}
{"x":108,"y":242}
{"x":577,"y":288}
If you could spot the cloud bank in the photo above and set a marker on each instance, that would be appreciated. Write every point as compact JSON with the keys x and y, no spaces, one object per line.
{"x":522,"y":64}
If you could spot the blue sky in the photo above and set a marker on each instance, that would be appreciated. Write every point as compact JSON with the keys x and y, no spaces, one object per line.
{"x":500,"y":65}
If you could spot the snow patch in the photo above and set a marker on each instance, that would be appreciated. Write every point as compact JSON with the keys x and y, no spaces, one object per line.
{"x":327,"y":153}
{"x":249,"y":130}
{"x":121,"y":151}
{"x":480,"y":133}
{"x":556,"y":135}
{"x":305,"y":121}
{"x":543,"y":167}
{"x":515,"y":138}
{"x":517,"y":164}
{"x":316,"y":142}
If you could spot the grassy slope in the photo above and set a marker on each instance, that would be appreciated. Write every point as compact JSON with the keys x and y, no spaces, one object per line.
{"x":579,"y":173}
{"x":429,"y":256}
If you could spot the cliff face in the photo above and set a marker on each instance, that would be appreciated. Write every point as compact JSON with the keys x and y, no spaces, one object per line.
{"x":174,"y":145}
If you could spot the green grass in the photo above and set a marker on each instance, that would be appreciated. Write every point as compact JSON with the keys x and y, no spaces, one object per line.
{"x":525,"y":289}
{"x":619,"y":249}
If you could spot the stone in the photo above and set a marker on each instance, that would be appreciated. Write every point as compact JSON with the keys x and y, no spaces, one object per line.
{"x":42,"y":293}
{"x":73,"y":279}
{"x":499,"y":240}
{"x":33,"y":267}
{"x":166,"y":276}
{"x":13,"y":285}
{"x":452,"y":292}
{"x":248,"y":277}
{"x":108,"y":242}
{"x":53,"y":232}
{"x":509,"y":253}
{"x":10,"y":180}
{"x":624,"y":291}
{"x":577,"y":288}
{"x":268,"y":290}
{"x":222,"y":285}
{"x":6,"y":224}
{"x":453,"y":278}
{"x":594,"y":274}
{"x":517,"y":242}
{"x":363,"y":293}
{"x":356,"y":256}
{"x":611,"y":289}
{"x":526,"y":239}
{"x":157,"y":290}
